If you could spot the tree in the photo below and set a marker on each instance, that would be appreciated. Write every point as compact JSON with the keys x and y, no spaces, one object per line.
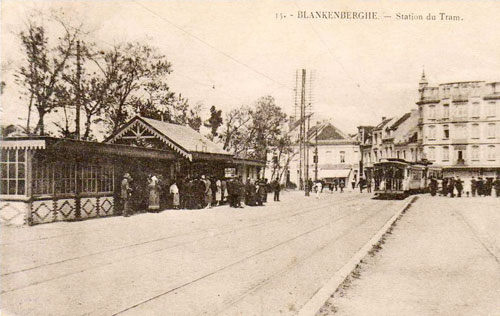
{"x":214,"y":122}
{"x":268,"y":120}
{"x":40,"y":74}
{"x":251,"y":132}
{"x":134,"y":68}
{"x":235,"y":129}
{"x":283,"y":151}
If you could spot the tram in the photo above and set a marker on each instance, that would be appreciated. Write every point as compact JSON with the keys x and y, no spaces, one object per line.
{"x":397,"y":178}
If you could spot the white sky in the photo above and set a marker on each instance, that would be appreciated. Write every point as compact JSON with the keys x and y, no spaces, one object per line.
{"x":364,"y":69}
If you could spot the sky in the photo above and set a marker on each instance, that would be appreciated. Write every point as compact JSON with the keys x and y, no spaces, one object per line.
{"x":230,"y":53}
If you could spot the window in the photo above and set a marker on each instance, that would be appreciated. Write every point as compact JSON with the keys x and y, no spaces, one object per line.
{"x":432,"y":153}
{"x":446,"y":132}
{"x":68,"y":178}
{"x":461,"y":110}
{"x":446,"y":153}
{"x":432,"y":112}
{"x":475,"y":131}
{"x":491,"y":130}
{"x":342,"y":157}
{"x":328,"y":155}
{"x":460,"y":131}
{"x":446,"y":111}
{"x":476,"y":109}
{"x":475,"y":153}
{"x":13,"y":172}
{"x":491,"y":152}
{"x":51,"y":178}
{"x":397,"y":154}
{"x":491,"y":109}
{"x":432,"y":132}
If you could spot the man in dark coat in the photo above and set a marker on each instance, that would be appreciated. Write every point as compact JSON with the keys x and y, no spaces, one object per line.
{"x":265,"y":184}
{"x":459,"y":186}
{"x":496,"y":185}
{"x":239,"y":192}
{"x":489,"y":186}
{"x":473,"y":186}
{"x":480,"y":186}
{"x":451,"y":187}
{"x":276,"y":188}
{"x":230,"y":192}
{"x":433,"y":186}
{"x":444,"y":187}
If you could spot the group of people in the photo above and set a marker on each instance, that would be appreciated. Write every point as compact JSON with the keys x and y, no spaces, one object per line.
{"x":198,"y":192}
{"x":456,"y":187}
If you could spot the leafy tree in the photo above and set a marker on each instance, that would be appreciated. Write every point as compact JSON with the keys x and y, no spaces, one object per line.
{"x":268,"y":120}
{"x":133,"y":67}
{"x":41,"y":72}
{"x":235,"y":130}
{"x":214,"y":122}
{"x":251,"y":132}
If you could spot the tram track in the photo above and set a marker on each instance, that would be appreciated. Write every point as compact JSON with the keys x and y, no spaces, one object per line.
{"x":333,"y":219}
{"x":79,"y":270}
{"x":294,"y":263}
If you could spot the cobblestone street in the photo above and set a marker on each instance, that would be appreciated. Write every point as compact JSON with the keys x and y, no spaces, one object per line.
{"x":253,"y":261}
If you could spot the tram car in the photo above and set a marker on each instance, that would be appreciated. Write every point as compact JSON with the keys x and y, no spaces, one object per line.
{"x":397,"y":178}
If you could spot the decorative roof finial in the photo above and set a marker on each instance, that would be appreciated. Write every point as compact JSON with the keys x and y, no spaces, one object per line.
{"x":423,"y":80}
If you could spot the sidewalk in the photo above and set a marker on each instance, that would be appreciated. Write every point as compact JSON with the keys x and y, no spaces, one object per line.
{"x":443,"y":258}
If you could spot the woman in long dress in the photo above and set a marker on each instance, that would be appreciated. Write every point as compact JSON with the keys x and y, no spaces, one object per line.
{"x":218,"y":192}
{"x":208,"y":192}
{"x":154,"y":194}
{"x":174,"y":191}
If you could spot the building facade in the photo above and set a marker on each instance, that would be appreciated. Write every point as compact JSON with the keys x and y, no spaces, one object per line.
{"x":395,"y":137}
{"x":459,"y":127}
{"x":337,"y":155}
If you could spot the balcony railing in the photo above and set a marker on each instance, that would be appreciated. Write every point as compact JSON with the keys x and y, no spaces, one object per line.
{"x":460,"y":162}
{"x":460,"y":98}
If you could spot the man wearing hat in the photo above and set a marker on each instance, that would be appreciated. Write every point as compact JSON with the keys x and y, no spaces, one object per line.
{"x":125,"y":193}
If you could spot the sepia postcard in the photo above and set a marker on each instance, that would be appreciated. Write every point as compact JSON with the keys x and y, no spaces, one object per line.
{"x":241,"y":158}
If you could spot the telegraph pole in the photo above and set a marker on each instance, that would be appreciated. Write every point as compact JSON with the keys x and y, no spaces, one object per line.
{"x":303,"y":128}
{"x":78,"y":89}
{"x":307,"y":155}
{"x":316,"y":155}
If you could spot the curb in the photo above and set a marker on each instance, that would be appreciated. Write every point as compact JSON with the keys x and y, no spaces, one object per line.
{"x":323,"y":294}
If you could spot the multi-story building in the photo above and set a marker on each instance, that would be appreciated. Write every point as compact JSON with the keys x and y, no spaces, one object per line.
{"x":394,"y":137}
{"x":338,"y":155}
{"x":459,"y":127}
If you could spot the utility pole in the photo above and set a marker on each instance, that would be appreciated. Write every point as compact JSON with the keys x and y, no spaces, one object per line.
{"x":303,"y":173}
{"x":316,"y":155}
{"x":78,"y":89}
{"x":307,"y":154}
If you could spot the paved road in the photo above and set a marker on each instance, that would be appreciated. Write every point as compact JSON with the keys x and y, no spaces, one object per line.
{"x":443,"y":258}
{"x":252,"y":261}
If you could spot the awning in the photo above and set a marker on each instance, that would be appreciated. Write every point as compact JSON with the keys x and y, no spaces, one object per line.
{"x":334,"y":173}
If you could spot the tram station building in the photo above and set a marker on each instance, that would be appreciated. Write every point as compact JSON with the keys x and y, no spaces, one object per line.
{"x":46,"y":179}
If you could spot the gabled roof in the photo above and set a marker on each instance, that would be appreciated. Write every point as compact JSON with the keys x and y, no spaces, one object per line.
{"x":400,"y":121}
{"x":326,"y":131}
{"x":383,"y":124}
{"x":179,"y":138}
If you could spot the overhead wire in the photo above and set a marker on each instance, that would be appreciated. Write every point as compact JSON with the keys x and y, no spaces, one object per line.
{"x":210,"y":45}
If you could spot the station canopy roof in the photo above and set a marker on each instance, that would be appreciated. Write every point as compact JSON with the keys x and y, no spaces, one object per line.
{"x":182,"y":139}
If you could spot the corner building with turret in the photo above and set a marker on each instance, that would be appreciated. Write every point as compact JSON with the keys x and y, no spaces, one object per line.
{"x":459,"y":127}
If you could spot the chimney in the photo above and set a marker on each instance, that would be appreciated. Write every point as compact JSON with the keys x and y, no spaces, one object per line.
{"x":383,"y":118}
